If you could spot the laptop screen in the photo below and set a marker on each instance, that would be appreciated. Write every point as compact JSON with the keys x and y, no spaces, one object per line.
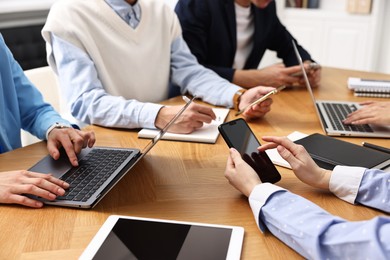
{"x":307,"y":83}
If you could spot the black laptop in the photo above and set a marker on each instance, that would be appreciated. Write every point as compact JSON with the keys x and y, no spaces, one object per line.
{"x":100,"y":168}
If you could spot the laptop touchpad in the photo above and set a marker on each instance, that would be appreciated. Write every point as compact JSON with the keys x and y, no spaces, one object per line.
{"x":56,"y":167}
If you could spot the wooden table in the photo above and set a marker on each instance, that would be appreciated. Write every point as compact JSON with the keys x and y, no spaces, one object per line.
{"x":177,"y":180}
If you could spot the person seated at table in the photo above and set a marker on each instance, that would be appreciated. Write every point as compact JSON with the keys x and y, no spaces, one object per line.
{"x":116,"y":58}
{"x":372,"y":112}
{"x":302,"y":225}
{"x":22,"y":107}
{"x":231,"y":37}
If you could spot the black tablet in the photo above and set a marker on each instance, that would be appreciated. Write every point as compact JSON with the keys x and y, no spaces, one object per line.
{"x":124,"y":237}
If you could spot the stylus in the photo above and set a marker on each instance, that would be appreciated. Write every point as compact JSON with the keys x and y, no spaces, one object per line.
{"x":186,"y":99}
{"x":261,"y":99}
{"x":376,"y":147}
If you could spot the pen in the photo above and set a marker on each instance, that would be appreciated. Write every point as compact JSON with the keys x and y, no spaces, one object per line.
{"x":261,"y":99}
{"x":186,"y":99}
{"x":376,"y":147}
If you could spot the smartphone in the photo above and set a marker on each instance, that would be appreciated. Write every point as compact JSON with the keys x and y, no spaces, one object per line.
{"x":312,"y":66}
{"x":237,"y":134}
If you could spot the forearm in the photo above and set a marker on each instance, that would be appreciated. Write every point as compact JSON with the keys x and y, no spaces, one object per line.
{"x":316,"y":234}
{"x":113,"y":111}
{"x":358,"y":185}
{"x":86,"y":96}
{"x":197,"y":80}
{"x":247,"y":79}
{"x":36,"y":115}
{"x":374,"y":190}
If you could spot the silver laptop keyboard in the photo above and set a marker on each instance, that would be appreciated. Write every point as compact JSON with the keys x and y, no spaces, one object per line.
{"x":93,"y":170}
{"x":338,"y":112}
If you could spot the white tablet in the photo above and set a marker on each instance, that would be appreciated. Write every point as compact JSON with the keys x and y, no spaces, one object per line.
{"x":124,"y":237}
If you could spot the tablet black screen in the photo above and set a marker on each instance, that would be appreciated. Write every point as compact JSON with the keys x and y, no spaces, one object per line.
{"x":138,"y":239}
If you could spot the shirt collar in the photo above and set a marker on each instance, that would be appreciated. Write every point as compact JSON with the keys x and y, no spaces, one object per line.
{"x":123,"y":9}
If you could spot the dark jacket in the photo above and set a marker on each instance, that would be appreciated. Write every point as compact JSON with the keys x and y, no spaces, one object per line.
{"x":209,"y":28}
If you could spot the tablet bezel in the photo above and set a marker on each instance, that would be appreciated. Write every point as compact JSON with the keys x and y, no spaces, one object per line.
{"x":234,"y":248}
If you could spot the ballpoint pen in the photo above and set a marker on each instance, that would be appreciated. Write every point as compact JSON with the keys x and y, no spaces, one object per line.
{"x":186,"y":99}
{"x":376,"y":147}
{"x":277,"y":90}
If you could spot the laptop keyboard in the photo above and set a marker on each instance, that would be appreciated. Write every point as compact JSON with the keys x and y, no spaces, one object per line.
{"x":93,"y":170}
{"x":338,"y":112}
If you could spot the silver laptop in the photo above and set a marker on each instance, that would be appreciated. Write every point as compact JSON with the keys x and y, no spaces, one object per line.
{"x":331,"y":114}
{"x":100,"y":168}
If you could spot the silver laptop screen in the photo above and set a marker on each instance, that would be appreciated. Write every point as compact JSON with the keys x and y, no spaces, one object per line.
{"x":307,"y":83}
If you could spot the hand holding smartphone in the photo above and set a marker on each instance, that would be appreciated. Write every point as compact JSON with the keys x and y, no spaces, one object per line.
{"x":238,"y":135}
{"x":312,"y":66}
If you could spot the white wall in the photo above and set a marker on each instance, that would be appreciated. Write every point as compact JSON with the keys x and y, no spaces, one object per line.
{"x":377,"y":52}
{"x":384,"y":57}
{"x":7,"y":7}
{"x":12,"y":6}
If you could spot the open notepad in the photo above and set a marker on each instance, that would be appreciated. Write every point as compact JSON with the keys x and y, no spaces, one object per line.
{"x":207,"y":134}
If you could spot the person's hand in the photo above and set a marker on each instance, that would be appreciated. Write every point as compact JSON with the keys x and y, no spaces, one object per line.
{"x":15,"y":183}
{"x":372,"y":112}
{"x":192,"y":118}
{"x":314,"y":77}
{"x":275,"y":75}
{"x":252,"y":95}
{"x":72,"y":140}
{"x":240,"y":174}
{"x":301,"y":163}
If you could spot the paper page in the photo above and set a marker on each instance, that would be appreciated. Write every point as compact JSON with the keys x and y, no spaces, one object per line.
{"x":275,"y":156}
{"x":207,"y":134}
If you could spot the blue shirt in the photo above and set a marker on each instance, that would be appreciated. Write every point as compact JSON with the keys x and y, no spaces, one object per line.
{"x":317,"y":234}
{"x":185,"y":71}
{"x":21,"y":104}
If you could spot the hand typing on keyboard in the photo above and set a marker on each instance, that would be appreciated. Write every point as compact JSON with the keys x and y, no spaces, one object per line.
{"x":372,"y":112}
{"x":72,"y":140}
{"x":14,"y":184}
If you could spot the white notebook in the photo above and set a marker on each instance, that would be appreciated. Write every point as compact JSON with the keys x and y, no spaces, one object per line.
{"x":275,"y":156}
{"x":207,"y":134}
{"x":369,"y":85}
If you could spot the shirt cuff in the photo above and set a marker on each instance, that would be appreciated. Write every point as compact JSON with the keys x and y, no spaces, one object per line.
{"x":149,"y":114}
{"x":345,"y":182}
{"x":259,"y":197}
{"x":56,"y":125}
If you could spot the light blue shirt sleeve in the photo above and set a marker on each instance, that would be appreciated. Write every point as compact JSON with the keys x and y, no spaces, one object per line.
{"x":80,"y":85}
{"x":316,"y":234}
{"x":21,"y":104}
{"x":374,"y":190}
{"x":195,"y":79}
{"x":86,"y":97}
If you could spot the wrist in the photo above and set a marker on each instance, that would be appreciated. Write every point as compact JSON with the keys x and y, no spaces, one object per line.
{"x":237,"y":98}
{"x":160,"y":121}
{"x":323,"y":182}
{"x":56,"y":125}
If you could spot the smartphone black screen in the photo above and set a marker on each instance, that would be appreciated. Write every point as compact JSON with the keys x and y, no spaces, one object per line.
{"x":238,"y":135}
